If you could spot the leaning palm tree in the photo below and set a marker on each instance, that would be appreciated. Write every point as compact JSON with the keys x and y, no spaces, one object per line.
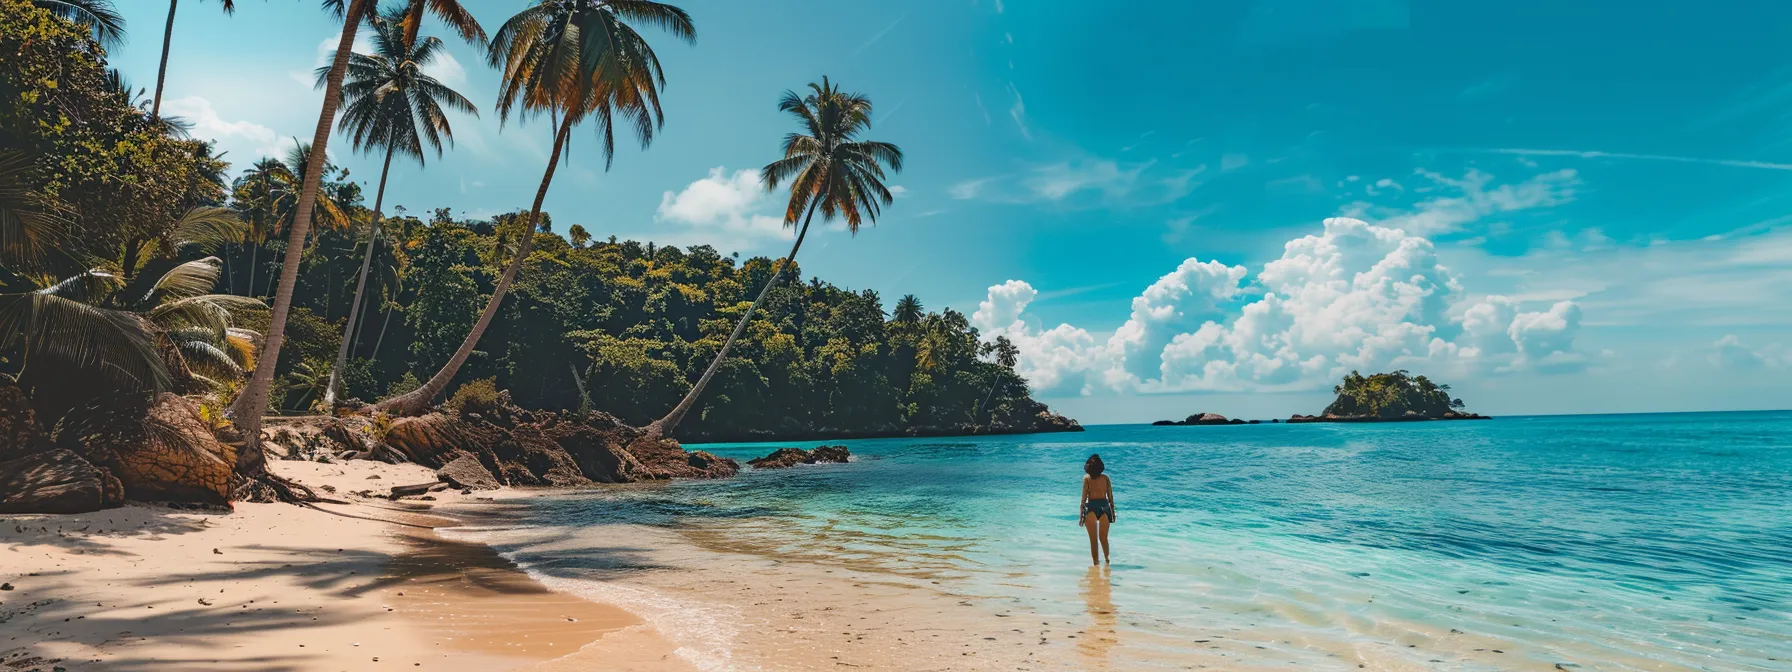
{"x":829,"y":169}
{"x":251,"y":463}
{"x":155,"y":110}
{"x":571,"y":60}
{"x":392,"y":105}
{"x":99,"y":15}
{"x":246,"y":412}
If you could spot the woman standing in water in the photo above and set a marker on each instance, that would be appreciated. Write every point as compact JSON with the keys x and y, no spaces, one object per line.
{"x":1097,"y":509}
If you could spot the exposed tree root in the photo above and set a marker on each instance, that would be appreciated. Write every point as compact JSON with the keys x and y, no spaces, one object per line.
{"x":267,"y":487}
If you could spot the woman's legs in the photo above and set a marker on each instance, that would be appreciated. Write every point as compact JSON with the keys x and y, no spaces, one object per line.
{"x":1090,"y":520}
{"x":1105,"y":522}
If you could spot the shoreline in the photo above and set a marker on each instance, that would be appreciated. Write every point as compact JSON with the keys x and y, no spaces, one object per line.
{"x":932,"y":433}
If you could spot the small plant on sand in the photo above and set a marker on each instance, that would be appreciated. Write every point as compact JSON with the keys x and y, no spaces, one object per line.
{"x":379,"y":427}
{"x":477,"y":396}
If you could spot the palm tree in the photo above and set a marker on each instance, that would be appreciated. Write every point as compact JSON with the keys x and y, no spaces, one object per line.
{"x":138,"y":335}
{"x":829,"y":169}
{"x":249,"y":406}
{"x":578,"y":236}
{"x":100,"y":16}
{"x":572,"y":60}
{"x":908,"y":310}
{"x":390,"y":104}
{"x":251,"y":463}
{"x":1007,"y":355}
{"x":155,"y":110}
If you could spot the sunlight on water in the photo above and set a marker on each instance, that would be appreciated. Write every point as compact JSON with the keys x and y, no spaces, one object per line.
{"x":1616,"y":542}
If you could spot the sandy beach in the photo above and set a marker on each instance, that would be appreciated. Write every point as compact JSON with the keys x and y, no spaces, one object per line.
{"x":366,"y":586}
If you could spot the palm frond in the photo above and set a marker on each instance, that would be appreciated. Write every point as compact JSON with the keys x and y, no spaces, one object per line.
{"x":115,"y":344}
{"x":32,"y":227}
{"x":217,"y":313}
{"x":188,"y":280}
{"x":99,"y":15}
{"x":204,"y":357}
{"x":209,"y":228}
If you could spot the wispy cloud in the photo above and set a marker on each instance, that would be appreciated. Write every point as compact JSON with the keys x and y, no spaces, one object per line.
{"x":1019,"y":112}
{"x":980,"y":108}
{"x":1083,"y":181}
{"x":880,"y":35}
{"x":886,"y":116}
{"x":1733,"y":163}
{"x":1471,"y":198}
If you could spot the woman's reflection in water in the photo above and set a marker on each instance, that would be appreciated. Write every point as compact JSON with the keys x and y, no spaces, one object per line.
{"x":1101,"y":636}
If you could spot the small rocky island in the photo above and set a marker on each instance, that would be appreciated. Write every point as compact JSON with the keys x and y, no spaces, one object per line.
{"x":1383,"y":397}
{"x":1206,"y":419}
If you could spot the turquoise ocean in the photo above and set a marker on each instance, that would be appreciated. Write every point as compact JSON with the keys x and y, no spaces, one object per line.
{"x":1645,"y":542}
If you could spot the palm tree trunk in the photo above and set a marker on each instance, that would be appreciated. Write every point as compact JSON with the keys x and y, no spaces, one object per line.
{"x":155,"y":110}
{"x":254,"y":258}
{"x":253,"y":402}
{"x":418,"y":400}
{"x":666,"y":425}
{"x":382,"y":339}
{"x":354,"y":309}
{"x":579,"y":381}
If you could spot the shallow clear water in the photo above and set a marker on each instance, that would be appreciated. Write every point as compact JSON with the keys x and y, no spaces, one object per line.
{"x":1614,"y":542}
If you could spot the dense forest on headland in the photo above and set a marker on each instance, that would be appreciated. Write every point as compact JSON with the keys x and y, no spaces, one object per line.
{"x":136,"y":262}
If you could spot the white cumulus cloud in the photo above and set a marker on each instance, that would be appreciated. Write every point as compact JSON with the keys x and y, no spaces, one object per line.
{"x":725,"y":210}
{"x":1353,"y":297}
{"x":239,"y":138}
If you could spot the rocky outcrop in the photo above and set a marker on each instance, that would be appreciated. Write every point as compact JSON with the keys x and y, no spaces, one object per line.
{"x":525,"y":448}
{"x":430,"y":440}
{"x":789,"y":457}
{"x":599,"y":452}
{"x":666,"y":459}
{"x":56,"y":481}
{"x":1409,"y":416}
{"x":830,"y":455}
{"x":172,"y":456}
{"x":529,"y":457}
{"x":467,"y":473}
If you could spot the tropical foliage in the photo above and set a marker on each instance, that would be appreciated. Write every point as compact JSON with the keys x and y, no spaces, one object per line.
{"x":128,"y":262}
{"x":1391,"y":395}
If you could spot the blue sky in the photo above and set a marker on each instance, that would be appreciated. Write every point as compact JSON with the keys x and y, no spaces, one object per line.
{"x":1556,"y":206}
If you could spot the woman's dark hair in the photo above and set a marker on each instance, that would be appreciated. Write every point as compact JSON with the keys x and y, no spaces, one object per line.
{"x":1094,"y":466}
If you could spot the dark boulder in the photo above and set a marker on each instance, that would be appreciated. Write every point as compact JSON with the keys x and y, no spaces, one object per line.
{"x":56,"y":481}
{"x":598,"y":452}
{"x":467,"y":472}
{"x":780,"y":458}
{"x":666,"y":459}
{"x":833,"y":454}
{"x":790,"y":457}
{"x":181,"y":461}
